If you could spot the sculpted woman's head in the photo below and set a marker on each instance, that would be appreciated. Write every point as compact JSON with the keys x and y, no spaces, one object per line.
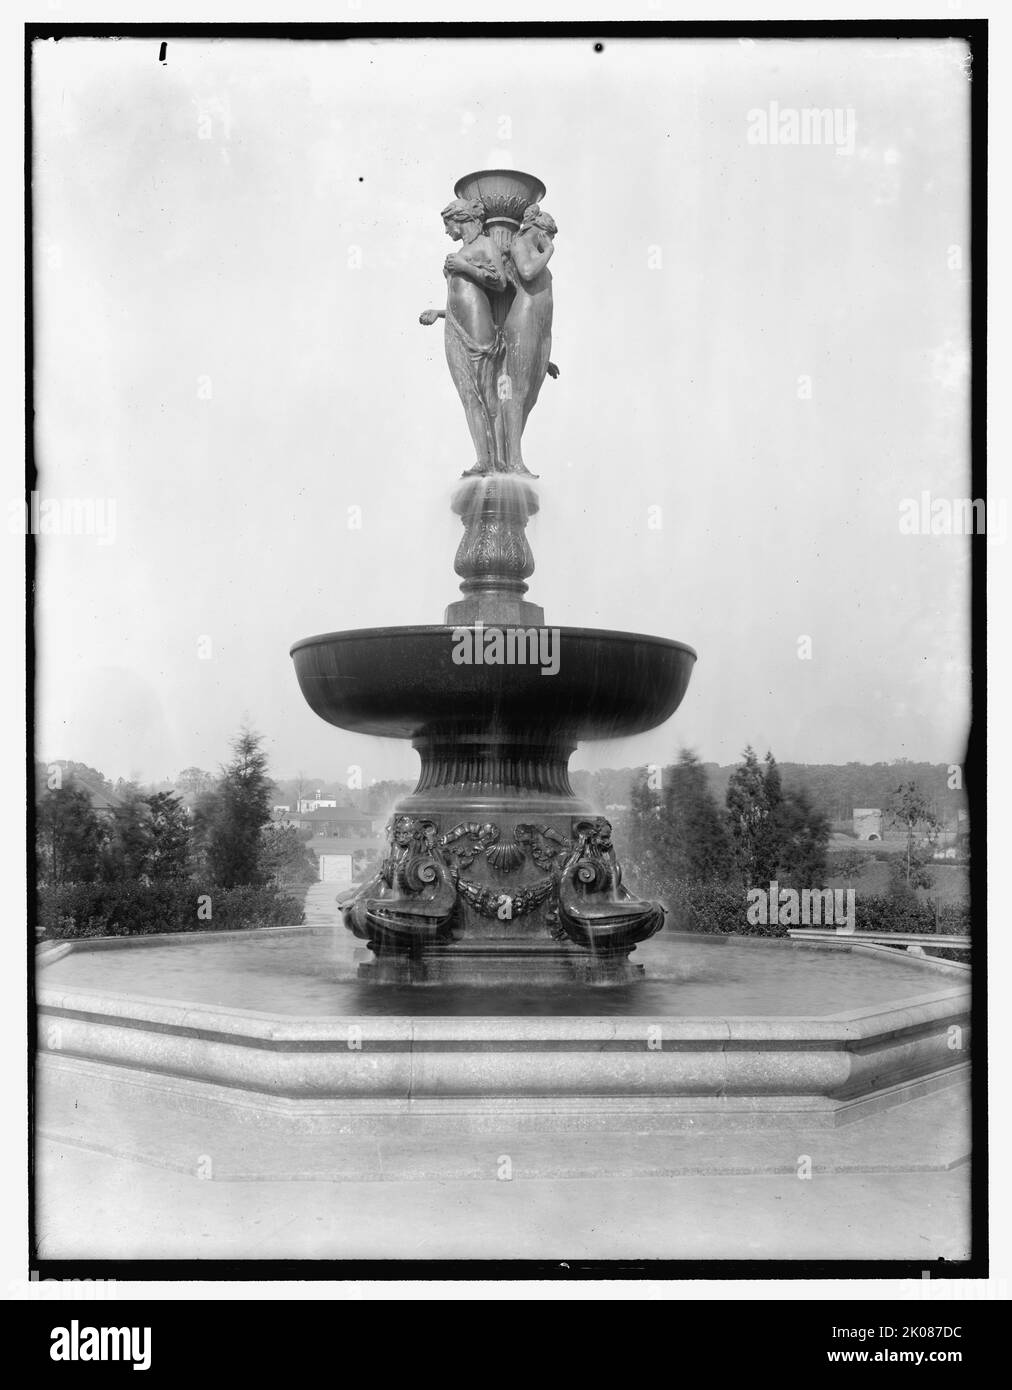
{"x":534,"y":217}
{"x":461,"y":214}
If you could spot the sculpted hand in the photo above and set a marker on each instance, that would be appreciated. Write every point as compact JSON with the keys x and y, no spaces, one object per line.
{"x":430,"y":316}
{"x":552,"y":370}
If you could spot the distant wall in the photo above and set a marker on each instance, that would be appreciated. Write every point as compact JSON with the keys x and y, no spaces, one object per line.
{"x":867,"y":823}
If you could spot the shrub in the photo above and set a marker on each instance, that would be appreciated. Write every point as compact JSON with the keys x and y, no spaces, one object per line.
{"x":720,"y":909}
{"x":79,"y":910}
{"x":238,"y":909}
{"x":716,"y":909}
{"x":902,"y":912}
{"x":847,"y":863}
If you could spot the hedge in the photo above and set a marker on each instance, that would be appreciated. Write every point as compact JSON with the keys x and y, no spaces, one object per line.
{"x":715,"y":909}
{"x":720,"y":909}
{"x":907,"y":913}
{"x":74,"y":910}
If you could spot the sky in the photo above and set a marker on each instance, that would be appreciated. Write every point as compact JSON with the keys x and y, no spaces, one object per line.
{"x":763,"y":351}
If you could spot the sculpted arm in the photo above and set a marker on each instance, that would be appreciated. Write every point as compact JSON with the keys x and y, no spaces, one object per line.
{"x":528,"y":260}
{"x":485,"y":269}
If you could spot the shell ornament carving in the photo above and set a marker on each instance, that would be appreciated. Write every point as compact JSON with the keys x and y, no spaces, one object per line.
{"x":505,"y":856}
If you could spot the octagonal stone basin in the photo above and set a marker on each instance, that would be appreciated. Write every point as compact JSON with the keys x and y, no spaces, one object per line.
{"x":259,"y":1053}
{"x":402,"y":682}
{"x":718,"y":1024}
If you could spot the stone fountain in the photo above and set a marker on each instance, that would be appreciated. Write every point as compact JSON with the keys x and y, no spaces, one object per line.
{"x":264,"y":1055}
{"x":496,"y":873}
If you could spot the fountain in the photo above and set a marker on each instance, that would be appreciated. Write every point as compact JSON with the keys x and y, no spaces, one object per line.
{"x":278,"y":1055}
{"x":496,"y":873}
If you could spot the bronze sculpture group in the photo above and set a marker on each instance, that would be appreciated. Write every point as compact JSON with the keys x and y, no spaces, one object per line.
{"x":498,"y":328}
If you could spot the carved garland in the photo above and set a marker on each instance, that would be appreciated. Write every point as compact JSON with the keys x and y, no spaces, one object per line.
{"x":505,"y":906}
{"x":465,"y":842}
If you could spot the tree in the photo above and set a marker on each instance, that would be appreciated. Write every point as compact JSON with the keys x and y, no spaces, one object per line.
{"x":194,"y":782}
{"x":86,"y":777}
{"x":68,"y":837}
{"x":774,"y":832}
{"x":125,"y":853}
{"x":802,"y":833}
{"x":770,"y":837}
{"x":231,"y":817}
{"x":693,"y":836}
{"x":168,"y":837}
{"x":911,"y":808}
{"x":204,"y":818}
{"x":382,"y":795}
{"x":286,"y":860}
{"x":645,"y":849}
{"x":748,"y":816}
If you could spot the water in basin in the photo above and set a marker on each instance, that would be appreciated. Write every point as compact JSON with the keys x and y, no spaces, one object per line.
{"x":310,"y":972}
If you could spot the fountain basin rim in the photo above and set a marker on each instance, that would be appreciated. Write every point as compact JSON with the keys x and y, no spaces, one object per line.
{"x":411,"y":682}
{"x":839,"y":1030}
{"x":408,"y":629}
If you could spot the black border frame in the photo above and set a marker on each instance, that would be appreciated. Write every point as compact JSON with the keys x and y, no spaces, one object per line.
{"x":975,"y":33}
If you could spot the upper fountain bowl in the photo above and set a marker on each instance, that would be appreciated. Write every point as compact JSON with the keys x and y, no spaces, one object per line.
{"x":506,"y":193}
{"x":406,"y":682}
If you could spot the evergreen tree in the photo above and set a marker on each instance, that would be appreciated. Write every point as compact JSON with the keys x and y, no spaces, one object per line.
{"x":233,"y":815}
{"x":693,"y":835}
{"x":776,"y":834}
{"x":204,"y":818}
{"x":285,"y":857}
{"x":802,"y":841}
{"x":68,"y":837}
{"x":168,"y":851}
{"x":770,"y":834}
{"x":646,"y":851}
{"x":747,"y":816}
{"x":125,"y":853}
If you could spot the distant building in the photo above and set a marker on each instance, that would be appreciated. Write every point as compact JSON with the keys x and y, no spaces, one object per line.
{"x":954,"y":841}
{"x":867,"y":823}
{"x":321,"y":801}
{"x":345,"y":860}
{"x":104,"y":801}
{"x":337,"y":822}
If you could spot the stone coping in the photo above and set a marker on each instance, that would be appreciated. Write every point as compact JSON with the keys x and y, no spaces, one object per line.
{"x":52,"y":950}
{"x":882,"y":951}
{"x":845,"y":1029}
